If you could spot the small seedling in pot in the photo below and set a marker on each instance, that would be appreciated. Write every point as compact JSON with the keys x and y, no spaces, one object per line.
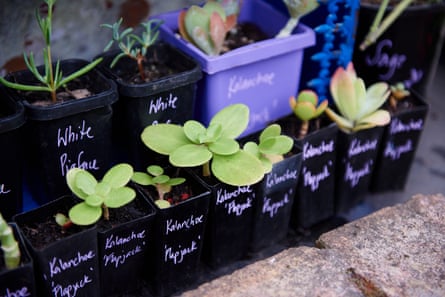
{"x":52,"y":79}
{"x":10,"y":246}
{"x":155,"y":177}
{"x":358,"y":106}
{"x":271,"y":148}
{"x":398,"y":93}
{"x":296,"y":9}
{"x":206,"y":27}
{"x":132,"y":45}
{"x":306,"y":107}
{"x":215,"y":147}
{"x":99,"y":196}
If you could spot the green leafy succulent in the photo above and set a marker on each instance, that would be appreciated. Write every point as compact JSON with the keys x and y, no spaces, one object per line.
{"x":306,"y":107}
{"x":206,"y":27}
{"x":10,"y":246}
{"x":132,"y":45}
{"x":359,"y":107}
{"x":215,"y":148}
{"x":97,"y":197}
{"x":155,"y":176}
{"x":296,"y":9}
{"x":271,"y":147}
{"x":52,"y":79}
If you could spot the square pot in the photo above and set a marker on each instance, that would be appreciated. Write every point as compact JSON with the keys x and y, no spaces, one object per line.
{"x":11,"y":158}
{"x":124,"y":248}
{"x":70,"y":134}
{"x":262,"y":75}
{"x":169,"y":99}
{"x":69,"y":265}
{"x":178,"y":239}
{"x":18,"y":281}
{"x":399,"y":144}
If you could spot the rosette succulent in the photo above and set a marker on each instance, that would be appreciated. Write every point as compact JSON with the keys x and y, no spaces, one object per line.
{"x":9,"y":245}
{"x":358,"y":106}
{"x":206,"y":27}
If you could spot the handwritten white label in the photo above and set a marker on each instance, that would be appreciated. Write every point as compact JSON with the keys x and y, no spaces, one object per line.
{"x":4,"y":190}
{"x":398,"y":126}
{"x":162,"y":104}
{"x":310,"y":151}
{"x":57,"y":265}
{"x":119,"y":259}
{"x":238,"y":208}
{"x":383,"y":59}
{"x":222,"y":195}
{"x":68,"y":135}
{"x":272,"y":208}
{"x":23,"y":292}
{"x":66,"y":164}
{"x":394,"y":152}
{"x":177,"y":254}
{"x":353,"y":176}
{"x":272,"y":179}
{"x":113,"y":241}
{"x":240,"y":83}
{"x":313,"y":179}
{"x":357,"y":147}
{"x":70,"y":290}
{"x":188,"y":223}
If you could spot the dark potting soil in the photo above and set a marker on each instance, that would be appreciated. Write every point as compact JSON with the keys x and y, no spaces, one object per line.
{"x":243,"y":34}
{"x":177,"y":195}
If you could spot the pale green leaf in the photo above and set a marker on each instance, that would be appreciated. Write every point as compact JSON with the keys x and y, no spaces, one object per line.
{"x":82,"y":214}
{"x":224,"y":146}
{"x":233,"y":120}
{"x":71,"y":182}
{"x":120,"y":197}
{"x":94,"y":200}
{"x":162,"y":203}
{"x":118,"y":175}
{"x":142,"y":179}
{"x":193,"y":130}
{"x":270,"y":131}
{"x":85,"y":181}
{"x":164,"y":138}
{"x":278,"y":145}
{"x":155,"y":170}
{"x":190,"y":155}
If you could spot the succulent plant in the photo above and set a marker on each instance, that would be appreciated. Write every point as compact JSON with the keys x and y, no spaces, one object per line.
{"x":398,"y":93}
{"x":206,"y":27}
{"x":306,"y":107}
{"x":358,"y":106}
{"x":215,"y":147}
{"x":132,"y":45}
{"x":52,"y":79}
{"x":9,"y":245}
{"x":97,"y":197}
{"x":296,"y":9}
{"x":271,"y":147}
{"x":156,"y":177}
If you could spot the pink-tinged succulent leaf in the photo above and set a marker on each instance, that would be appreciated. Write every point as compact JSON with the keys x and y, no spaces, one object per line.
{"x":343,"y":92}
{"x":196,"y":17}
{"x":321,"y":108}
{"x":217,"y":32}
{"x":231,"y":21}
{"x":181,"y":26}
{"x":342,"y":123}
{"x":212,"y":6}
{"x":202,"y":40}
{"x":378,"y":118}
{"x":360,"y":98}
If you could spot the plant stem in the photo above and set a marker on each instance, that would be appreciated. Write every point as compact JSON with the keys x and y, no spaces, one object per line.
{"x":141,"y":67}
{"x":106,"y":212}
{"x":206,"y":169}
{"x":48,"y":52}
{"x":287,"y":29}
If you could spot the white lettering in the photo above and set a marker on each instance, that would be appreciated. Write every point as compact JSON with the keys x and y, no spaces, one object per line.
{"x":354,"y":176}
{"x":113,"y":240}
{"x":23,"y":292}
{"x":313,"y":180}
{"x":162,"y":104}
{"x":69,"y":135}
{"x":66,"y":164}
{"x":239,"y":83}
{"x":238,"y":209}
{"x":272,"y":208}
{"x":118,"y":260}
{"x":273,"y":179}
{"x":382,"y":59}
{"x":394,"y":152}
{"x":190,"y":222}
{"x":177,"y":256}
{"x":310,"y":151}
{"x":397,"y":126}
{"x":4,"y":190}
{"x":357,"y":147}
{"x":70,"y":290}
{"x":222,"y":195}
{"x":57,"y":265}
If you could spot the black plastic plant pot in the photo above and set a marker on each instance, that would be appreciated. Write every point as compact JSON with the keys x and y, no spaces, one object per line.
{"x":399,"y":144}
{"x":169,"y":99}
{"x":67,"y":266}
{"x":178,"y":241}
{"x":315,"y":201}
{"x":124,"y":248}
{"x":18,"y":281}
{"x":356,"y":158}
{"x":75,"y":133}
{"x":274,"y":202}
{"x":229,"y":229}
{"x":12,"y":118}
{"x":408,"y":51}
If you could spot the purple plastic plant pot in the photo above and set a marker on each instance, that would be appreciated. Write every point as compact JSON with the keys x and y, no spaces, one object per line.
{"x":262,"y":75}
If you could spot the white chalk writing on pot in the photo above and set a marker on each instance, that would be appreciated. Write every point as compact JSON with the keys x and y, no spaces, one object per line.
{"x":72,"y":135}
{"x":310,"y":151}
{"x":190,"y":222}
{"x":383,"y":59}
{"x":228,"y":199}
{"x":358,"y":147}
{"x":394,"y":152}
{"x":70,"y":290}
{"x":272,"y":208}
{"x":177,"y":254}
{"x":273,"y":178}
{"x":22,"y":292}
{"x":353,"y":175}
{"x":4,"y":190}
{"x":119,"y":259}
{"x":66,"y":164}
{"x":162,"y":104}
{"x":241,"y":83}
{"x":312,"y":179}
{"x":115,"y":240}
{"x":398,"y":126}
{"x":58,"y":265}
